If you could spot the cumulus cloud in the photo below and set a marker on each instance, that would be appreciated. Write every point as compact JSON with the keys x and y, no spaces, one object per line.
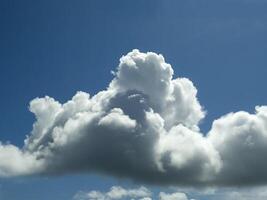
{"x":144,"y":126}
{"x":241,"y":140}
{"x":115,"y":192}
{"x":172,"y":196}
{"x":143,"y":193}
{"x":118,"y":192}
{"x":15,"y":162}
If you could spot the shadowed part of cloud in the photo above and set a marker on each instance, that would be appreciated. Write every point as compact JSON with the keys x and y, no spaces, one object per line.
{"x":144,"y":126}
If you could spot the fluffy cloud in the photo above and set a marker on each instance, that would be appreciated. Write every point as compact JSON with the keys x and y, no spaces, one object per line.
{"x":151,"y":75}
{"x":144,"y":126}
{"x":143,"y":193}
{"x":15,"y":162}
{"x":118,"y":192}
{"x":172,"y":196}
{"x":241,"y":140}
{"x":115,"y":192}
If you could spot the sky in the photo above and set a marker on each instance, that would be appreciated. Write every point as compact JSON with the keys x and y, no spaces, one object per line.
{"x":56,"y":48}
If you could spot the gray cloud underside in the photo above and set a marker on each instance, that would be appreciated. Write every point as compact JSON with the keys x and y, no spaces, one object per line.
{"x":144,"y":126}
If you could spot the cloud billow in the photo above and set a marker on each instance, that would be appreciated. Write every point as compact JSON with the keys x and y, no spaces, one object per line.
{"x":144,"y":126}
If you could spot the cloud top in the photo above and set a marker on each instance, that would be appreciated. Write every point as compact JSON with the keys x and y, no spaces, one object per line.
{"x":144,"y":126}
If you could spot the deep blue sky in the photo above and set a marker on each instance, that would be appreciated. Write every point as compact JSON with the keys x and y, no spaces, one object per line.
{"x":58,"y":47}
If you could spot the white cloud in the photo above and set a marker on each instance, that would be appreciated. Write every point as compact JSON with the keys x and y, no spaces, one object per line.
{"x":14,"y":161}
{"x":144,"y":126}
{"x":142,"y":193}
{"x":151,"y":75}
{"x":234,"y":193}
{"x":172,"y":196}
{"x":118,"y":192}
{"x":115,"y":192}
{"x":241,"y":140}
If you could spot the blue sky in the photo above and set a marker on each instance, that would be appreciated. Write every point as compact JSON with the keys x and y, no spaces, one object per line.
{"x":56,"y":48}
